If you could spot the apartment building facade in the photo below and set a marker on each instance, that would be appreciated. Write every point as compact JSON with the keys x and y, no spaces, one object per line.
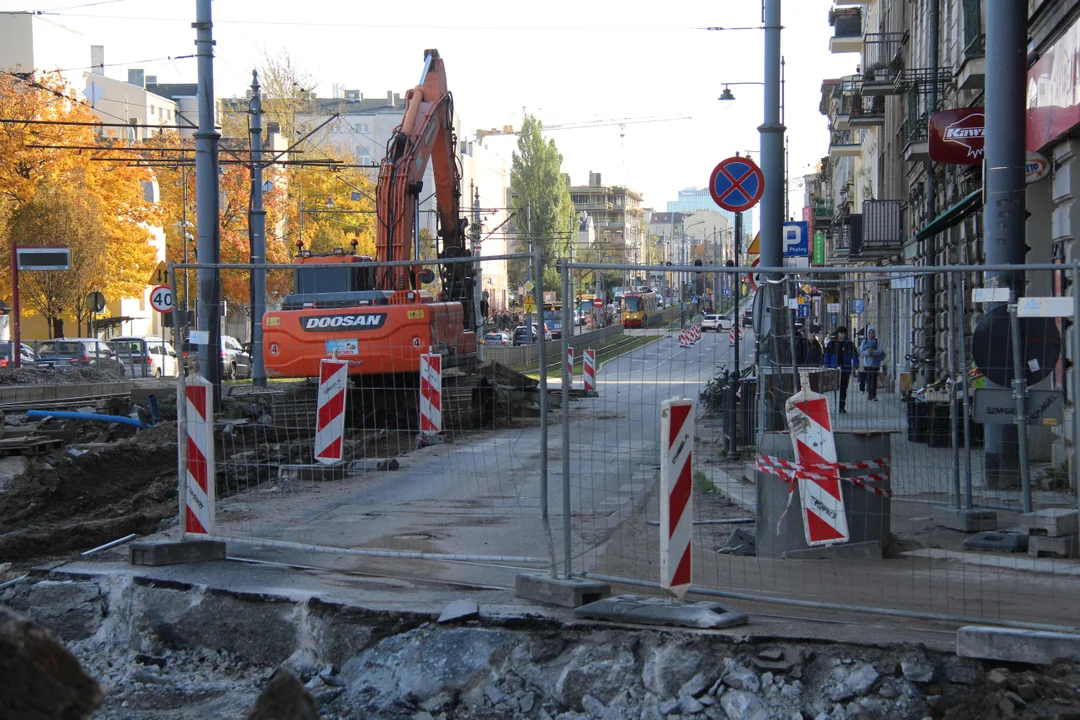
{"x":879,"y":197}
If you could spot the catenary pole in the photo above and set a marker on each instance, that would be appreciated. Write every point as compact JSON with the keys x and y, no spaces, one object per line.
{"x":1004,"y":239}
{"x":258,"y":235}
{"x":208,"y":244}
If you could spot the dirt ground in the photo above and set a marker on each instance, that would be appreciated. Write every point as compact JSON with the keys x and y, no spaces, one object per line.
{"x":49,"y":376}
{"x":65,"y":503}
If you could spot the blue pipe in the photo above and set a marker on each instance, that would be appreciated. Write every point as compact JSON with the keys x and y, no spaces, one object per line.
{"x":153,"y":409}
{"x":92,"y":417}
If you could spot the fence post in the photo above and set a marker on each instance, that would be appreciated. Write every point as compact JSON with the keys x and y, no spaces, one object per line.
{"x":538,"y":296}
{"x":181,"y":405}
{"x":953,"y":362}
{"x":1019,"y":384}
{"x":567,"y":378}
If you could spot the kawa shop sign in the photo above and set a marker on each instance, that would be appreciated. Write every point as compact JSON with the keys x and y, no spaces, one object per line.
{"x":958,"y":137}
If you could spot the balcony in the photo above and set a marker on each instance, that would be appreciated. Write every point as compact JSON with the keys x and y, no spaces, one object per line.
{"x":847,"y":30}
{"x":920,"y":85}
{"x":823,"y":209}
{"x":971,"y":74}
{"x":844,"y":143}
{"x":882,"y":62}
{"x":846,"y":238}
{"x":882,"y":229}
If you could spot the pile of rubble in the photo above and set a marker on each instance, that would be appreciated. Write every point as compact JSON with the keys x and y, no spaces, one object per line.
{"x":193,"y":654}
{"x":33,"y":375}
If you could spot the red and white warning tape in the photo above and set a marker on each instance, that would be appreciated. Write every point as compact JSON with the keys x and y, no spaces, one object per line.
{"x":789,"y":471}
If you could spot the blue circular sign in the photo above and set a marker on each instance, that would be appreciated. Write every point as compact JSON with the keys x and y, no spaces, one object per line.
{"x":736,"y":184}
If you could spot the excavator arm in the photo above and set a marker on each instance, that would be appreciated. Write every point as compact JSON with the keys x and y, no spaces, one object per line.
{"x":426,"y":133}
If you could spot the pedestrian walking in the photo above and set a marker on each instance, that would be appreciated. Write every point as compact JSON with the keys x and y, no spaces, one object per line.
{"x":872,"y":355}
{"x":841,"y":353}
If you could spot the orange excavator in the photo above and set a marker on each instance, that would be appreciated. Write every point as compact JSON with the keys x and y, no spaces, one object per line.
{"x":381,"y":319}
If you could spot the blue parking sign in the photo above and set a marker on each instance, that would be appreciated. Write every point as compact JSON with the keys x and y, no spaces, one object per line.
{"x":796,"y":237}
{"x":858,"y":306}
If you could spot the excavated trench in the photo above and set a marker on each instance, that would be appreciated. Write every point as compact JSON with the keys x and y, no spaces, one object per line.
{"x":169,"y":650}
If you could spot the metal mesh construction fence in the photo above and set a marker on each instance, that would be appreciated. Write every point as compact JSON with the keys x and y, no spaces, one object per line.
{"x":532,"y":470}
{"x":920,"y":412}
{"x":382,"y":435}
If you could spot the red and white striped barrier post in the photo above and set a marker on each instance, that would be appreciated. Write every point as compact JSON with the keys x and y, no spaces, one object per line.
{"x":199,"y":493}
{"x":590,"y":372}
{"x":676,"y":505}
{"x":570,"y":364}
{"x":330,"y":413}
{"x":684,"y":338}
{"x":824,"y":515}
{"x":430,"y":394}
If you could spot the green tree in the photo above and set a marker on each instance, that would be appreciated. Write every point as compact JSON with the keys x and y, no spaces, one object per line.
{"x":540,"y":201}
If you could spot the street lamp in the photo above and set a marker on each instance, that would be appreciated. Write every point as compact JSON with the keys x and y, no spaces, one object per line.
{"x":727,"y":98}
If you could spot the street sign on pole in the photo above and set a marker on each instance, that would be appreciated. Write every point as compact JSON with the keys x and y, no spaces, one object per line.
{"x":737,"y":184}
{"x":819,"y":249}
{"x":95,"y":302}
{"x":796,"y":240}
{"x":161,"y":299}
{"x":998,"y":406}
{"x":858,"y":306}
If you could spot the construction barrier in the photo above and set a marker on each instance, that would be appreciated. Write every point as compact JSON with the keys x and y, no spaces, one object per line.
{"x":570,"y":364}
{"x":430,"y":394}
{"x":676,"y":501}
{"x":330,"y":411}
{"x":684,"y":338}
{"x":590,"y":371}
{"x":197,"y":458}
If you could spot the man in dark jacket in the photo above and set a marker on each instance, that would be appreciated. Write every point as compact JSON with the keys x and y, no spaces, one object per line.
{"x":841,"y":353}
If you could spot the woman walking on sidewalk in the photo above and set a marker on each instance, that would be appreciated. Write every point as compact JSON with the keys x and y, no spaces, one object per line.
{"x":872,"y":355}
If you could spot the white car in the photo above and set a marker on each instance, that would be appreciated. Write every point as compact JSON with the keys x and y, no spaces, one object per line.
{"x":148,"y":356}
{"x":716,"y":323}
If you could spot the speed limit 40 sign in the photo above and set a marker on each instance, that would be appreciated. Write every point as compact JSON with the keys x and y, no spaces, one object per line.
{"x":161,"y":299}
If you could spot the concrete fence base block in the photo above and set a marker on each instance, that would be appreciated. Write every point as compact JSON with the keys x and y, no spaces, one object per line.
{"x":1065,"y":546}
{"x":316,"y":472}
{"x":175,"y":552}
{"x":1020,"y":646}
{"x":662,"y":611}
{"x":870,"y":550}
{"x":566,"y":592}
{"x":1054,"y":522}
{"x":965,"y":520}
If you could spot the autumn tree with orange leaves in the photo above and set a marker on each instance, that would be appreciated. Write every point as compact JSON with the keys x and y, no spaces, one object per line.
{"x":106,"y":191}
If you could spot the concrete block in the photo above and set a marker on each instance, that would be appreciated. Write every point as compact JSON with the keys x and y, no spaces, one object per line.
{"x":176,"y":552}
{"x":1065,"y":546}
{"x":567,"y":592}
{"x":1053,"y":522}
{"x":964,"y":520}
{"x":662,"y":611}
{"x":312,"y":473}
{"x":373,"y":465}
{"x":1020,"y":646}
{"x":870,"y":550}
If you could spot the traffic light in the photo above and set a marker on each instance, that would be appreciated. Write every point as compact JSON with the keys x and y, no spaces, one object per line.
{"x":668,"y":263}
{"x":698,"y":263}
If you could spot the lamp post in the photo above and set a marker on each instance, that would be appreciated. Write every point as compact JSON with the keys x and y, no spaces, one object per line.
{"x":727,"y":99}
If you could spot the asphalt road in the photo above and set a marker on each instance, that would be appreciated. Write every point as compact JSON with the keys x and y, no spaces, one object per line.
{"x":483,"y":497}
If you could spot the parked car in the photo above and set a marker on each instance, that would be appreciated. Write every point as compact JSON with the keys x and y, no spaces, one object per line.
{"x":235,"y":360}
{"x":148,"y":356}
{"x":497,"y":339}
{"x":748,"y":318}
{"x":521,"y":335}
{"x":26,"y":357}
{"x":66,"y":353}
{"x":716,"y":323}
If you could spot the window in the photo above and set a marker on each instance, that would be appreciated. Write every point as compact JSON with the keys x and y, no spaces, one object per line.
{"x":363,"y":128}
{"x":363,"y":154}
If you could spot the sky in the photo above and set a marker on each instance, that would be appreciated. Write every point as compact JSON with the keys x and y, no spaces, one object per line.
{"x":564,"y":61}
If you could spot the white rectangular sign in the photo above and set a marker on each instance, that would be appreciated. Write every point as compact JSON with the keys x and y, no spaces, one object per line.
{"x":832,"y":307}
{"x":198,"y":337}
{"x":991,"y":295}
{"x":1045,"y":307}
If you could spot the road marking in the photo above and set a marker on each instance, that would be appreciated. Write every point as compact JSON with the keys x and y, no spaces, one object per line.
{"x":632,"y":487}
